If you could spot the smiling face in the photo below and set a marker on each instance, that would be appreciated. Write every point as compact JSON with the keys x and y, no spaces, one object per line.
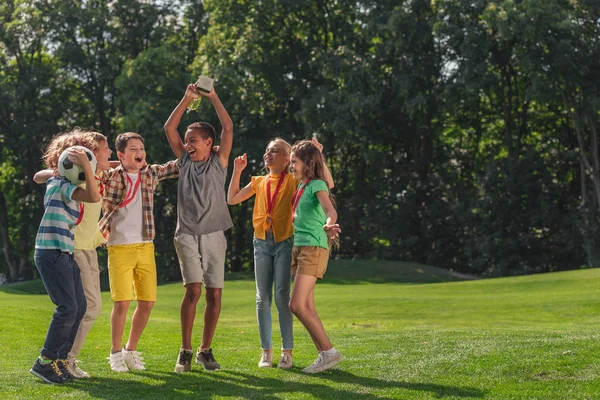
{"x":133,"y":157}
{"x":103,"y":155}
{"x":197,"y":146}
{"x":275,"y":158}
{"x":297,"y":167}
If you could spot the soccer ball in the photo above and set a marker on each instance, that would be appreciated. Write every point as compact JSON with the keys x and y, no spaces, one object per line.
{"x":73,"y":172}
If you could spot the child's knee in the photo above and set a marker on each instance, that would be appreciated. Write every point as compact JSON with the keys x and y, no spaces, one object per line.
{"x":145,"y":306}
{"x":193,"y":291}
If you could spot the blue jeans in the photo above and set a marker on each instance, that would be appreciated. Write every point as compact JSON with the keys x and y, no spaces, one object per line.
{"x":272,"y":263}
{"x":62,"y":280}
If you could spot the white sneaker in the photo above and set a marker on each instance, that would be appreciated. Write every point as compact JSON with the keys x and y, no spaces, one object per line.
{"x":266,"y":359}
{"x":74,"y":369}
{"x":117,"y":363}
{"x":133,"y":360}
{"x":324,"y":362}
{"x":285,"y":362}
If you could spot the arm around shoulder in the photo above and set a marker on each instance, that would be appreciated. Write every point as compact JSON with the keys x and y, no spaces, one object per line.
{"x":43,"y":175}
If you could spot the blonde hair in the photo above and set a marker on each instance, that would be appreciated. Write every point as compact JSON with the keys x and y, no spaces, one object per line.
{"x":75,"y":137}
{"x":285,"y":147}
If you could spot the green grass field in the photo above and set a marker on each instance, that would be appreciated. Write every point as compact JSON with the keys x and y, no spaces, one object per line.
{"x":407,"y":332}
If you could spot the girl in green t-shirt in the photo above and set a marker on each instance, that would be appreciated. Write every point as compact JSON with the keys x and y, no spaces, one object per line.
{"x":315,"y":227}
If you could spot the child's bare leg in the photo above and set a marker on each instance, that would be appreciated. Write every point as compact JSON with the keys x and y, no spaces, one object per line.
{"x":302,"y":305}
{"x":138,"y":323}
{"x":117,"y":324}
{"x":313,"y":310}
{"x":188,"y":313}
{"x":211,"y":315}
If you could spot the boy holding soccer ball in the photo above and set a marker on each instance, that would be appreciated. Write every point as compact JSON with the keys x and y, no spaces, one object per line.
{"x":87,"y":238}
{"x":54,"y":245}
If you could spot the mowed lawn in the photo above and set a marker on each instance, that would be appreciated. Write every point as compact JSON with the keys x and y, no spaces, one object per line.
{"x":407,"y":332}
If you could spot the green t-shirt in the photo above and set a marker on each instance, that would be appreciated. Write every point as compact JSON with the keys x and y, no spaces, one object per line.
{"x":309,"y":216}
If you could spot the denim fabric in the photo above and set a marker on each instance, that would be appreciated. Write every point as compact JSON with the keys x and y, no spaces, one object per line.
{"x":272,"y":267}
{"x":62,"y":280}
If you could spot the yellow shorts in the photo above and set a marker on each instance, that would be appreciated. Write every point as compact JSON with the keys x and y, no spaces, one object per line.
{"x":309,"y":260}
{"x":132,"y":272}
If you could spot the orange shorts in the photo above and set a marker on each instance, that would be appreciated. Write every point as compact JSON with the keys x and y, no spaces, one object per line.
{"x":309,"y":260}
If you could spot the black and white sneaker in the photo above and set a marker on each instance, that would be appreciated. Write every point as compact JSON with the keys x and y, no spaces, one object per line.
{"x":206,"y":358}
{"x":48,"y":372}
{"x":184,"y":361}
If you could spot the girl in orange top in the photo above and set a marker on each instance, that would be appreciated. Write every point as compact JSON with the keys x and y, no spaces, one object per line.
{"x":273,"y":240}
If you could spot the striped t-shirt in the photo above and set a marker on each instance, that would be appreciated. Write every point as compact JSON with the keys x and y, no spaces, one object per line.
{"x":60,"y":217}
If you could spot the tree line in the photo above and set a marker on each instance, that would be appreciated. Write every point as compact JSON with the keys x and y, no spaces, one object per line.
{"x":461,"y":133}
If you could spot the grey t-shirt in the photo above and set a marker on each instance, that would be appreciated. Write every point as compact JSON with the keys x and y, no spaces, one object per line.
{"x":201,"y":204}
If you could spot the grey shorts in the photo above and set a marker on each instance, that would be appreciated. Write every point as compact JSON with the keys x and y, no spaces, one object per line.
{"x":202,"y":258}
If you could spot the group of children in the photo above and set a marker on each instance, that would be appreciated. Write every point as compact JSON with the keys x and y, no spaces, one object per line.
{"x":294,"y":223}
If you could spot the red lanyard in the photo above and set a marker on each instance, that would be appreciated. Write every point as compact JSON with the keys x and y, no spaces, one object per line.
{"x":80,"y":214}
{"x":131,"y":191}
{"x":296,"y":198}
{"x":101,"y":186}
{"x":81,"y":209}
{"x":271,"y":200}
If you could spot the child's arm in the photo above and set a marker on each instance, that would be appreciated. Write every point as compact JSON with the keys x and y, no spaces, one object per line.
{"x":91,"y":193}
{"x":191,"y":94}
{"x":43,"y":175}
{"x":235,"y":195}
{"x":331,"y":228}
{"x":226,"y":142}
{"x":328,"y":178}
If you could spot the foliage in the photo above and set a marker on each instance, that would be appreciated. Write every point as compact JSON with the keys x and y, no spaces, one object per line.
{"x":460,"y":133}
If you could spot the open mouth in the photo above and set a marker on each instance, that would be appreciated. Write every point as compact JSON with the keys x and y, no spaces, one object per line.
{"x":191,"y":152}
{"x":139,"y":159}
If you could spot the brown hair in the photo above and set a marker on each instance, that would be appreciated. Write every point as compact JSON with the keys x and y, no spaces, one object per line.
{"x":75,"y":137}
{"x":314,"y":168}
{"x":123,"y":138}
{"x":206,"y":130}
{"x":310,"y":155}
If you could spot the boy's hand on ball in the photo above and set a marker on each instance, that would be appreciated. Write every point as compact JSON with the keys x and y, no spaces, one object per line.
{"x":332,"y":230}
{"x":240,"y":162}
{"x":79,"y":157}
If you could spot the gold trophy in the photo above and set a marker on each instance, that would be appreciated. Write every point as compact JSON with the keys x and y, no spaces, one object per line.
{"x":204,"y":84}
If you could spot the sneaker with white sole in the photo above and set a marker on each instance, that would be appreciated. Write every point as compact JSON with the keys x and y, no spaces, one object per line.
{"x":285,"y":362}
{"x":117,"y":363}
{"x":133,"y":360}
{"x":74,"y":370}
{"x":266,"y":359}
{"x":48,"y":371}
{"x":324,"y":362}
{"x":206,"y":358}
{"x":184,"y":361}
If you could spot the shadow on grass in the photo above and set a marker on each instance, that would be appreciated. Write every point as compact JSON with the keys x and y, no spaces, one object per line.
{"x":200,"y":384}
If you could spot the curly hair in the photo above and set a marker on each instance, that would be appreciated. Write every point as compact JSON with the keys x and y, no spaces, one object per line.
{"x":75,"y":137}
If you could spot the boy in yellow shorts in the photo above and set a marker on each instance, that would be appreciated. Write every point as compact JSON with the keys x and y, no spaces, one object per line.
{"x":128,"y":226}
